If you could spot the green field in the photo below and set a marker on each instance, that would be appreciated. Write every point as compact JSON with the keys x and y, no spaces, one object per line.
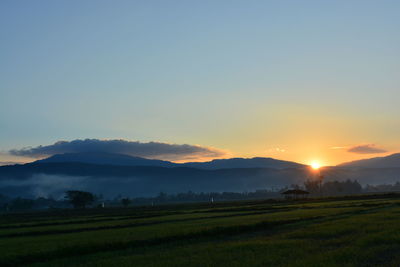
{"x":362,"y":231}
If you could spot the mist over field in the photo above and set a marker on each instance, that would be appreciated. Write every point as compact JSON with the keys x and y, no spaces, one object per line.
{"x":43,"y":185}
{"x":45,"y":180}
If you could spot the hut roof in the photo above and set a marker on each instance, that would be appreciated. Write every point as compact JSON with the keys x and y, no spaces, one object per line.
{"x":295,"y":192}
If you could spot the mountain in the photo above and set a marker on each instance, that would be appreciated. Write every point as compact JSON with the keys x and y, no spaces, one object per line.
{"x":244,"y":163}
{"x":45,"y":179}
{"x":391,"y":161}
{"x":113,"y":174}
{"x":125,"y":160}
{"x":101,"y":158}
{"x":4,"y":163}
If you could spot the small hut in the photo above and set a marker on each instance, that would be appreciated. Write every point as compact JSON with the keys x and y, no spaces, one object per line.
{"x":295,"y":194}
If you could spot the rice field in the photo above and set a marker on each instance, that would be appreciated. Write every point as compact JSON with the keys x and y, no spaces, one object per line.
{"x":360,"y":231}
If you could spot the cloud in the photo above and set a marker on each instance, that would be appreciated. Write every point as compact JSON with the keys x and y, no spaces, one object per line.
{"x":154,"y":150}
{"x":366,"y":149}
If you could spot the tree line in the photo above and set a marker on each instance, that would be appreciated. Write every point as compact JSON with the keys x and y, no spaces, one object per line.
{"x":81,"y":199}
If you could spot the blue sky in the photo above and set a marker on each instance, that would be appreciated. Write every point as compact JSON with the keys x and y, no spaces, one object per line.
{"x":288,"y":79}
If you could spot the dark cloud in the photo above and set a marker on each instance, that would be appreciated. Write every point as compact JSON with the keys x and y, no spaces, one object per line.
{"x":366,"y":149}
{"x":154,"y":150}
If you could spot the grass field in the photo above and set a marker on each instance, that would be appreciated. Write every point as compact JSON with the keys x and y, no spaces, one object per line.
{"x":362,"y":231}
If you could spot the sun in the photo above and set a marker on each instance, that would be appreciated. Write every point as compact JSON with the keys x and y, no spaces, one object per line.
{"x":315,"y":165}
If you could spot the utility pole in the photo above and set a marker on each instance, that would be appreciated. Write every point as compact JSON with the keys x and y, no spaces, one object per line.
{"x":320,"y":179}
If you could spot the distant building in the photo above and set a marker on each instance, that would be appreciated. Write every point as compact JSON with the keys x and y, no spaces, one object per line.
{"x":295,"y":194}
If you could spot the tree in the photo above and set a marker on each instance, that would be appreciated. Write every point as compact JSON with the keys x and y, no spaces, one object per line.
{"x":347,"y":187}
{"x":22,"y":204}
{"x":79,"y":199}
{"x":126,"y":202}
{"x":312,"y":186}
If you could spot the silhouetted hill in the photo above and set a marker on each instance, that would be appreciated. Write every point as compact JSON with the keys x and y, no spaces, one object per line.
{"x":392,"y":161}
{"x":244,"y":163}
{"x":107,"y":159}
{"x":125,"y":160}
{"x":54,"y":178}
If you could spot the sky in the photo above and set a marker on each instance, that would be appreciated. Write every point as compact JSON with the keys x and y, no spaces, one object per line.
{"x":295,"y":80}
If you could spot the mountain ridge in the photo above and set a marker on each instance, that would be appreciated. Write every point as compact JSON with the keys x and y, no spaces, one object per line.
{"x":104,"y":158}
{"x":54,"y":178}
{"x":390,"y":161}
{"x":256,"y":162}
{"x":126,"y":160}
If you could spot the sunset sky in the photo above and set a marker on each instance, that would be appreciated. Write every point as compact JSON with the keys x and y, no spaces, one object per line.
{"x":293,"y":80}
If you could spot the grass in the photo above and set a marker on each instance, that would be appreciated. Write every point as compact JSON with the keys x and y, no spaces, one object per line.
{"x":363,"y":231}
